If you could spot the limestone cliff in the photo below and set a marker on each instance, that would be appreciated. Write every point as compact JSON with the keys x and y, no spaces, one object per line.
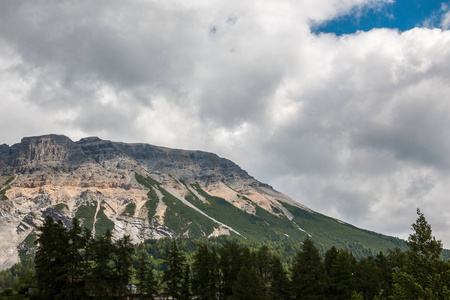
{"x":137,"y":189}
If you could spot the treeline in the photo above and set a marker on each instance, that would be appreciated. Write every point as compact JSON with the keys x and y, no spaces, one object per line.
{"x":70,"y":264}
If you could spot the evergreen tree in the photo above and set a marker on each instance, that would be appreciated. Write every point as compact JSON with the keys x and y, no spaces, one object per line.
{"x":75,"y":261}
{"x":186,"y":284}
{"x":86,"y":252}
{"x":248,"y":285}
{"x":122,"y":259}
{"x":263,"y":259}
{"x":102,"y":271}
{"x":385,"y":275}
{"x":330,"y":257}
{"x":368,"y":278}
{"x":230,"y":262}
{"x":342,"y":281}
{"x":51,"y":259}
{"x":174,"y":275}
{"x":146,"y":281}
{"x":278,"y":281}
{"x":205,"y":280}
{"x":422,"y":242}
{"x":424,"y":275}
{"x":307,"y":272}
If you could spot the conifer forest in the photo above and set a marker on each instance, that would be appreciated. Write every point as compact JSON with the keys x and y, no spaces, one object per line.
{"x":70,"y":264}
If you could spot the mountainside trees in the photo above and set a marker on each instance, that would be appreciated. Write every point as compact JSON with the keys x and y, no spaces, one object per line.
{"x":70,"y":264}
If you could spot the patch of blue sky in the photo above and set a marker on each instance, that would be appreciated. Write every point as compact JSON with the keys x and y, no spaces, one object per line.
{"x":399,"y":14}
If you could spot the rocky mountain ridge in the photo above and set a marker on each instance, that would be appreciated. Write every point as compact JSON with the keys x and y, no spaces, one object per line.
{"x":147,"y":192}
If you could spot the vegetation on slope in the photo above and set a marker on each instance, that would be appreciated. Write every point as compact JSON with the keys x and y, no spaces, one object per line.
{"x":328,"y":232}
{"x":69,"y":260}
{"x":261,"y":226}
{"x":182,"y":219}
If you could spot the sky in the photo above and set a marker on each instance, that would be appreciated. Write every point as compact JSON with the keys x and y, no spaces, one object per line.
{"x":341,"y":104}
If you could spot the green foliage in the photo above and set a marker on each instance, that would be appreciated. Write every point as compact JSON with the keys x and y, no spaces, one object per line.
{"x":103,"y":223}
{"x":19,"y":273}
{"x":61,"y":206}
{"x":421,"y":241}
{"x":174,"y":275}
{"x":206,"y":275}
{"x":327,"y":232}
{"x":424,"y":275}
{"x":130,"y":209}
{"x":182,"y":219}
{"x":51,"y":257}
{"x":4,"y":187}
{"x":262,"y":225}
{"x":152,"y":203}
{"x":307,"y":272}
{"x":248,"y":285}
{"x":146,"y":281}
{"x":86,"y":214}
{"x":25,"y":248}
{"x":279,"y":286}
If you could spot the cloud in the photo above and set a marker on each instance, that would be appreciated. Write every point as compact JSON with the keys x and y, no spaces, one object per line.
{"x":352,"y":126}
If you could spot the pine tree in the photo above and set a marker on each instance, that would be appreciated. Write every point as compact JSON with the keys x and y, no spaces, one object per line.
{"x":230,"y":262}
{"x":122,"y":259}
{"x":185,"y":292}
{"x":307,"y":272}
{"x":278,"y":281}
{"x":174,"y":275}
{"x":248,"y":285}
{"x":424,"y":275}
{"x":422,"y":242}
{"x":75,"y":261}
{"x":102,"y":271}
{"x":263,"y":259}
{"x":341,"y":279}
{"x":51,"y":259}
{"x":368,"y":278}
{"x":146,"y":281}
{"x":205,"y":280}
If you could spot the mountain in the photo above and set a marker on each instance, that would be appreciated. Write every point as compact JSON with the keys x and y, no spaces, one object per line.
{"x":151,"y":192}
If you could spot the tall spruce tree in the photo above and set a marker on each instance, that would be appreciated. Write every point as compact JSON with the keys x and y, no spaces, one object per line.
{"x":248,"y":285}
{"x":342,"y":281}
{"x":51,"y":259}
{"x":424,"y":275}
{"x":278,"y":281}
{"x":368,"y":278}
{"x":205,"y":279}
{"x":102,"y":272}
{"x":76,"y":244}
{"x":174,"y":275}
{"x":307,"y":272}
{"x":122,"y":258}
{"x":230,"y":262}
{"x":146,"y":281}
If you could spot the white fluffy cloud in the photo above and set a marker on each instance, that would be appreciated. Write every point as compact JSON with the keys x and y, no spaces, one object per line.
{"x":353,"y":126}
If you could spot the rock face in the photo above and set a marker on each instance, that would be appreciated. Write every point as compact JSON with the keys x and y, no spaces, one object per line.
{"x":150,"y":192}
{"x":141,"y":190}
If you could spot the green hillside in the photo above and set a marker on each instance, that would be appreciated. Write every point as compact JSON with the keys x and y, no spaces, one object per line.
{"x":263,"y":225}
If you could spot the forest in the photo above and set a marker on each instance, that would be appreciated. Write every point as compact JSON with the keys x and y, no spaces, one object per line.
{"x":70,"y":264}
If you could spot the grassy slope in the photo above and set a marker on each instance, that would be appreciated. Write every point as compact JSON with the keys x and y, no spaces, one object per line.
{"x":179,"y":217}
{"x":328,"y":232}
{"x":257,"y":227}
{"x":264,"y":226}
{"x":103,"y":223}
{"x":86,"y":214}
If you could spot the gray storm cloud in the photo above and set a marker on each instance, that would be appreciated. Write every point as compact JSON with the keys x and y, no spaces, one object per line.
{"x":355,"y":126}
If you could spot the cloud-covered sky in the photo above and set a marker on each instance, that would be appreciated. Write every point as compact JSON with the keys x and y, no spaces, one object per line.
{"x":341,"y":104}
